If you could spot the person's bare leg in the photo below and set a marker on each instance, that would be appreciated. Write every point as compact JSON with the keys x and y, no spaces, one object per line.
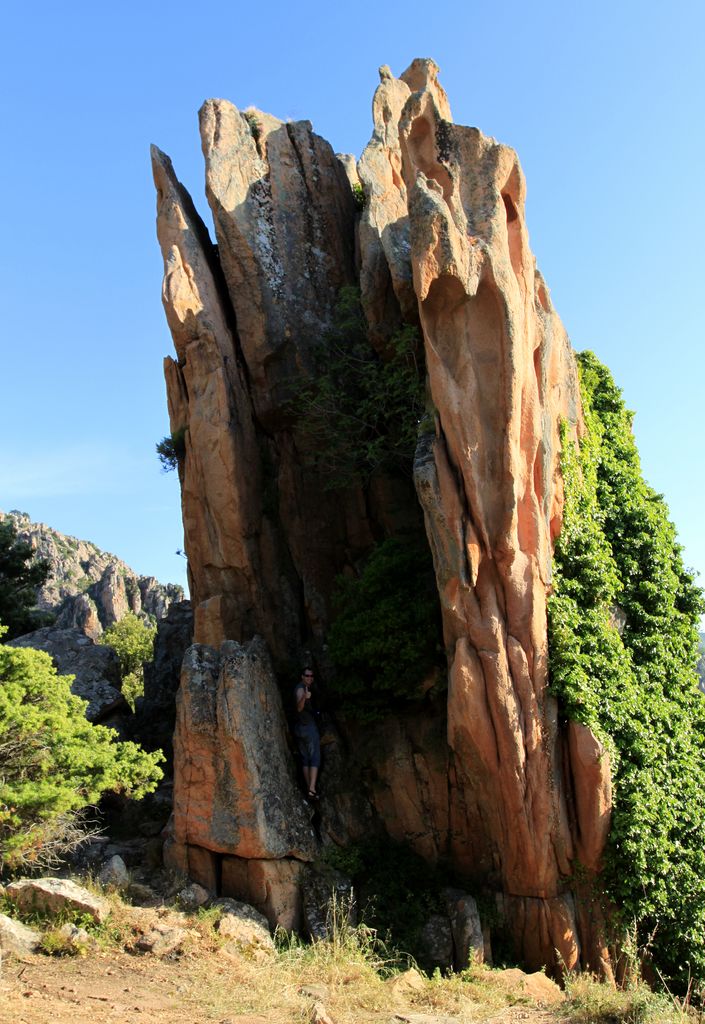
{"x":313,"y":775}
{"x":307,"y":776}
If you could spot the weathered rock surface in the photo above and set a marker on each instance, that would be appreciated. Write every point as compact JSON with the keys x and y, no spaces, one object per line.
{"x":234,"y":786}
{"x":96,"y":668}
{"x":89,"y":589}
{"x":246,"y":929}
{"x":534,"y":986}
{"x":250,"y":504}
{"x":501,"y":377}
{"x":114,"y":872}
{"x":327,"y":900}
{"x":162,"y":939}
{"x":17,"y":937}
{"x":437,"y":943}
{"x":193,"y":896}
{"x":75,"y":938}
{"x":54,"y":895}
{"x":466,"y":929}
{"x":406,"y":985}
{"x":489,"y":782}
{"x":155,"y":713}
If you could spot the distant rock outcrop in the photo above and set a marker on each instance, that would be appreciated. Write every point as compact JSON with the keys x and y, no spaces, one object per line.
{"x":484,"y":779}
{"x":95,"y":667}
{"x":88,"y":589}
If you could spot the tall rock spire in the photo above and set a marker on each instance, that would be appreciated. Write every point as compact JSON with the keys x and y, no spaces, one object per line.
{"x":488,"y":782}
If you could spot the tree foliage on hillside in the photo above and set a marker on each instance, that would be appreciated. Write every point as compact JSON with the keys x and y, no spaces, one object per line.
{"x":53,"y":761}
{"x":636,"y":688}
{"x":20,"y":575}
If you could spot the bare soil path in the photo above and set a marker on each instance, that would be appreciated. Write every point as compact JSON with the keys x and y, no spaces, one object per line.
{"x":121,"y":988}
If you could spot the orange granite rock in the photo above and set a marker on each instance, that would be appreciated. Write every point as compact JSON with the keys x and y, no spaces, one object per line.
{"x":491,"y":784}
{"x":234,"y":786}
{"x":502,"y":378}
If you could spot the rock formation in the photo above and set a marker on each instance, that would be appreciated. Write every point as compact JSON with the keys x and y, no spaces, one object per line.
{"x":95,"y":668}
{"x":88,"y":589}
{"x":155,"y":713}
{"x":489,"y":782}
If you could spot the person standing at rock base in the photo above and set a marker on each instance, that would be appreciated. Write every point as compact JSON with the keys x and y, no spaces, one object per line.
{"x":306,"y":731}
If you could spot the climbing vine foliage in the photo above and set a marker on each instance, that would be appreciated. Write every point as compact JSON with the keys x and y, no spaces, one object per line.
{"x":623,"y":652}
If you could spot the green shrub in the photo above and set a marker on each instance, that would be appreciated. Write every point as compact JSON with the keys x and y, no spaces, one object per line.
{"x":358,"y":195}
{"x":133,"y":642}
{"x":360,"y":413}
{"x":617,"y":555}
{"x":53,"y":761}
{"x":171,"y":450}
{"x":21,"y":573}
{"x":254,"y":124}
{"x":386,"y":634}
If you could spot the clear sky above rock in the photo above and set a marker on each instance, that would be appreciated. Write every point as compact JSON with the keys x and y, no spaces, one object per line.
{"x":603,"y":103}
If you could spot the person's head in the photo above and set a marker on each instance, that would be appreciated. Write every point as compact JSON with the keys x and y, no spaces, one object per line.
{"x":307,"y":676}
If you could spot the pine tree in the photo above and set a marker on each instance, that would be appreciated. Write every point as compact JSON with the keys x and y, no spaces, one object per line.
{"x":20,"y":575}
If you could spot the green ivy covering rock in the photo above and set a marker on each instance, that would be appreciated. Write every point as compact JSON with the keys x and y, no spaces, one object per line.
{"x":623,"y":642}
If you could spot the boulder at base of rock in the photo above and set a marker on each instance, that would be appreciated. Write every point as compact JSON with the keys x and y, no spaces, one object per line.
{"x":327,"y":901}
{"x":465,"y":924}
{"x":76,"y":939}
{"x":406,"y":985}
{"x":54,"y":895}
{"x":162,"y":940}
{"x":244,"y":926}
{"x":114,"y":873}
{"x":437,"y":942}
{"x":193,"y":896}
{"x":234,"y":786}
{"x":17,"y":937}
{"x":536,"y":986}
{"x":319,"y":1014}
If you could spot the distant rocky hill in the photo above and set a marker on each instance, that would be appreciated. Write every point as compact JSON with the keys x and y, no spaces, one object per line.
{"x":89,"y":589}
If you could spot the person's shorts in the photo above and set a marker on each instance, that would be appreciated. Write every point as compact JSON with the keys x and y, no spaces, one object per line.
{"x":309,"y":744}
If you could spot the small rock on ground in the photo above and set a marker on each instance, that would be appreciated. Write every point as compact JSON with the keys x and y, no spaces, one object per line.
{"x":114,"y":872}
{"x":17,"y":937}
{"x":52,"y":895}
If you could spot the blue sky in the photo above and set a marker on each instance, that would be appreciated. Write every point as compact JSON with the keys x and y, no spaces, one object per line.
{"x":603,"y":102}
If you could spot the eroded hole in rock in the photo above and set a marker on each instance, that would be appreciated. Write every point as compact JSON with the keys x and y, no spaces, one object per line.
{"x":510,"y":208}
{"x":513,"y":234}
{"x":422,"y":150}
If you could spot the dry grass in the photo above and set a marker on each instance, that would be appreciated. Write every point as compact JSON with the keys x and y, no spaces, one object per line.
{"x":591,"y":1002}
{"x":349,"y":973}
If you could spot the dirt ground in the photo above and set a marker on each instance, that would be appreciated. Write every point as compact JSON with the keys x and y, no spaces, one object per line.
{"x":119,"y":987}
{"x":114,"y":988}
